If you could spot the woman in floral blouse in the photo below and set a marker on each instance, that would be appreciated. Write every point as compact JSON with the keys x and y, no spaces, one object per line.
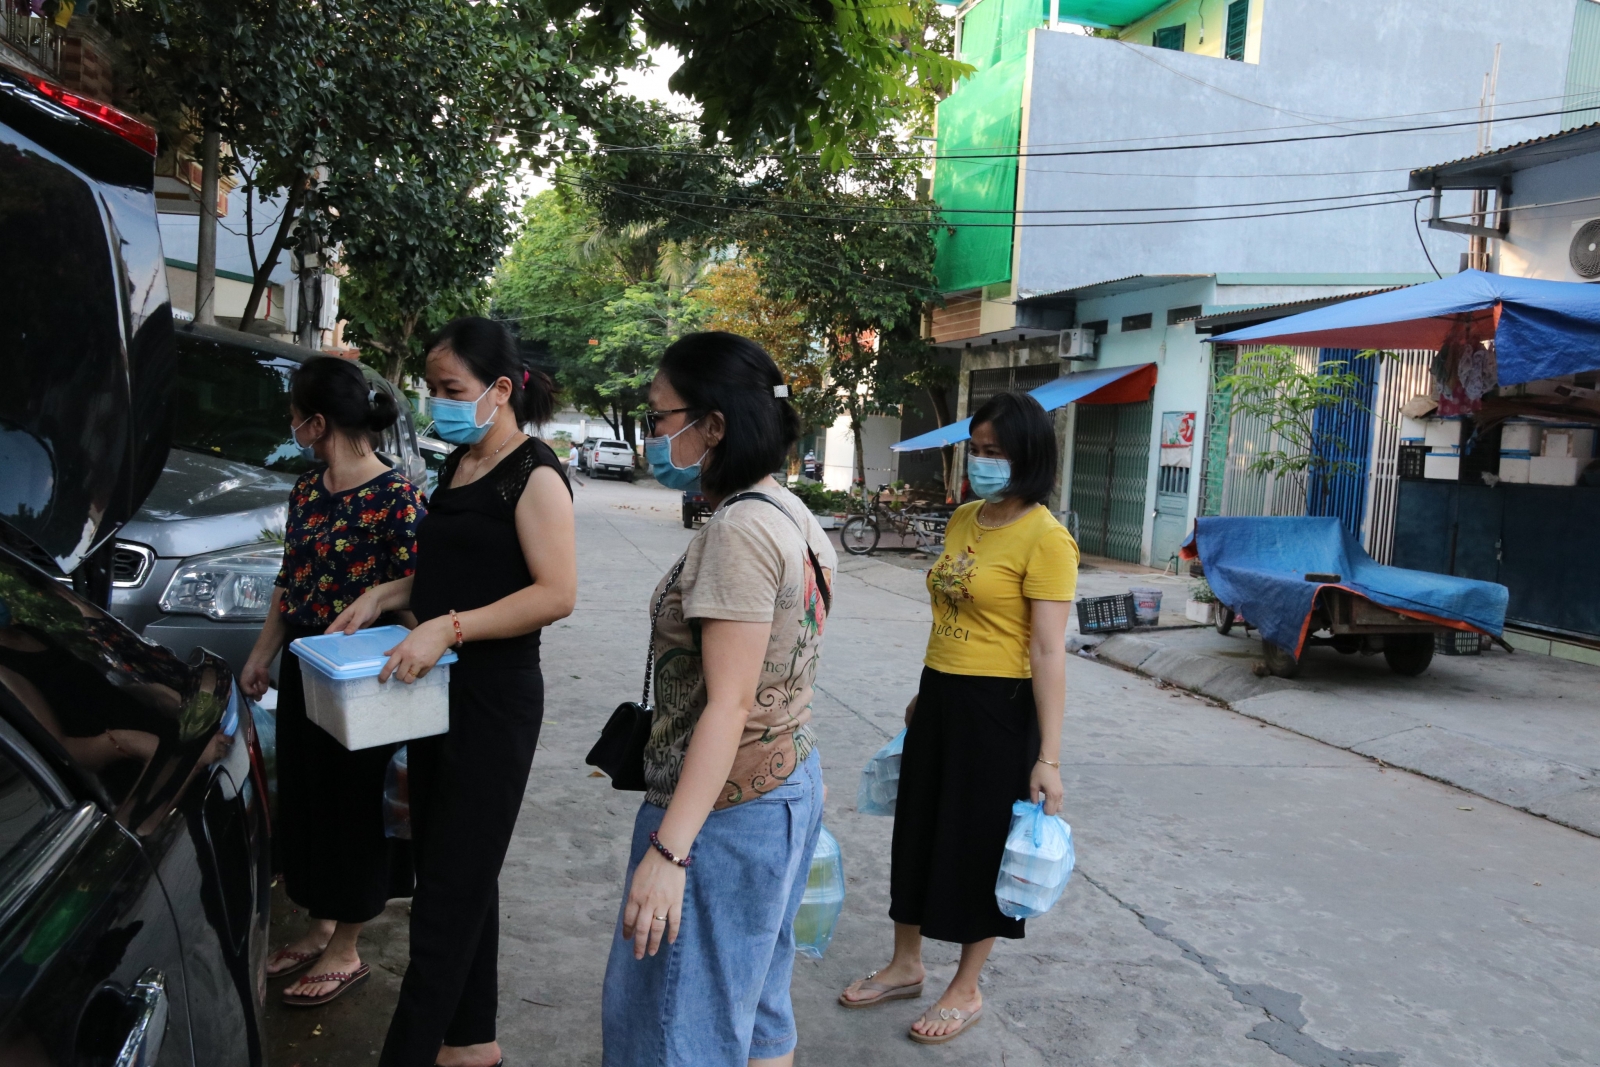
{"x":352,"y":525}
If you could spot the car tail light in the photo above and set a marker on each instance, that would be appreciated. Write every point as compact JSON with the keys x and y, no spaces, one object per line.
{"x":104,"y":116}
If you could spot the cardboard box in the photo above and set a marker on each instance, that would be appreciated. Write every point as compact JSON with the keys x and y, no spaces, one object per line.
{"x":1569,"y":442}
{"x":1442,"y":466}
{"x":1441,"y":433}
{"x":1521,"y":436}
{"x":1555,"y":470}
{"x":1514,"y":469}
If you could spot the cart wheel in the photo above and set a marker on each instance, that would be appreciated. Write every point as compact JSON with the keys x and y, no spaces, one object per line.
{"x":1279,"y":663}
{"x":688,"y":517}
{"x":1408,"y":654}
{"x":1224,"y":618}
{"x":858,"y":535}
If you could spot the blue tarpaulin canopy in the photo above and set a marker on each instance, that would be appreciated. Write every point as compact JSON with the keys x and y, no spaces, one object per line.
{"x":1541,"y":329}
{"x":1052,"y":395}
{"x":1259,"y":567}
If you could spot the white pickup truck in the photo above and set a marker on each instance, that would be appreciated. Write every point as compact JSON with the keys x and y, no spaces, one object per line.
{"x":612,"y":457}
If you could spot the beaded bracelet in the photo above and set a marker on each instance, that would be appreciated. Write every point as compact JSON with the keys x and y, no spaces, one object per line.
{"x":456,"y":622}
{"x":667,"y":852}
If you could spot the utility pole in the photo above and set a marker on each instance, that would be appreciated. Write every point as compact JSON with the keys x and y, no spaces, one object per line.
{"x":205,"y":266}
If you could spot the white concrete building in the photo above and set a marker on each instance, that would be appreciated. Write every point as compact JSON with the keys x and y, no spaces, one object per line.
{"x":1203,"y":156}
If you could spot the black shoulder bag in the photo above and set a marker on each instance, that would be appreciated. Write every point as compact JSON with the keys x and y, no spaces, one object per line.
{"x":620,"y":750}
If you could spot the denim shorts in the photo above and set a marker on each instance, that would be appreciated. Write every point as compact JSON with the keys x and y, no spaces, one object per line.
{"x":719,"y":995}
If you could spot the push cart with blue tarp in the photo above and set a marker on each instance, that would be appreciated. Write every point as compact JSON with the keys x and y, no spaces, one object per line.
{"x":1306,"y":581}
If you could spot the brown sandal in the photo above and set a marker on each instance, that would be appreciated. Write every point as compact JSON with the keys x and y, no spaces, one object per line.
{"x":302,"y":960}
{"x":944,"y":1015}
{"x":885,"y":992}
{"x":345,"y":981}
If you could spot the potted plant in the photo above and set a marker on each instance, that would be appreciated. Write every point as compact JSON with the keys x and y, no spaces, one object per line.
{"x":1202,"y":603}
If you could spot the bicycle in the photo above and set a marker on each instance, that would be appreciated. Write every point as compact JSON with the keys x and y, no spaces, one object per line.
{"x":860,"y":533}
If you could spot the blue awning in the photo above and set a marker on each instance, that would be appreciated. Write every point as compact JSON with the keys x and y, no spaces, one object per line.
{"x":1541,"y":329}
{"x":1051,"y":395}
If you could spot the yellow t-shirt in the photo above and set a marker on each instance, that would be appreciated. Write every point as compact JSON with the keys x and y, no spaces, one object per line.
{"x":981,"y":587}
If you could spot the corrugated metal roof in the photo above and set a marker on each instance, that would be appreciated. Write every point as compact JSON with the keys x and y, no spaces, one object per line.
{"x":1130,"y":284}
{"x":1268,"y":312}
{"x":1471,"y":172}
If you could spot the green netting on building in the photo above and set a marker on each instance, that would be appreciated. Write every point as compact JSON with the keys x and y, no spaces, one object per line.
{"x":1583,"y":68}
{"x":983,"y":115}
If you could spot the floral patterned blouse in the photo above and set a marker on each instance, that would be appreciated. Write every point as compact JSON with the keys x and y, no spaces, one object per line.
{"x":339,"y":545}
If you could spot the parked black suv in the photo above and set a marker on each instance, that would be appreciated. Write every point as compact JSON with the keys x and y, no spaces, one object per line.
{"x":134,"y":870}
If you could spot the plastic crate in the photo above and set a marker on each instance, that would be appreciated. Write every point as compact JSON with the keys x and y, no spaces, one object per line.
{"x":1105,"y":614}
{"x":1458,"y":642}
{"x":1412,"y":462}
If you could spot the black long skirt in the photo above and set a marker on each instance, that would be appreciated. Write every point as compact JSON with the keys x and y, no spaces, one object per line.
{"x":337,"y":863}
{"x":969,"y":752}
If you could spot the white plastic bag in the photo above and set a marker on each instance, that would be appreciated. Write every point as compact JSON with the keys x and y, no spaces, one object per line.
{"x":824,"y":899}
{"x":880,"y":779}
{"x":1037,"y":863}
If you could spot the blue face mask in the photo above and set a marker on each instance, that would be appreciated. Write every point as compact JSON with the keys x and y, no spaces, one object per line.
{"x":658,"y":453}
{"x":988,"y":476}
{"x":456,"y":421}
{"x":307,"y":452}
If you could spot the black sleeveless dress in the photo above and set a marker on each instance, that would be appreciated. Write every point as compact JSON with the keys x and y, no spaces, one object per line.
{"x":467,"y":785}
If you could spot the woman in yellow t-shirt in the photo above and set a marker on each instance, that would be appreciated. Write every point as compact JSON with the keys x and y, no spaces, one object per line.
{"x":984,"y":729}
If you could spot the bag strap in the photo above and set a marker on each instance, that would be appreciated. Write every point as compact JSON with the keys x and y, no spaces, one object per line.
{"x":816,"y":564}
{"x":655,"y":615}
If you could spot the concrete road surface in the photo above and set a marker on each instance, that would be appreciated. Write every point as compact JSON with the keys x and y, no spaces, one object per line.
{"x":1244,"y":895}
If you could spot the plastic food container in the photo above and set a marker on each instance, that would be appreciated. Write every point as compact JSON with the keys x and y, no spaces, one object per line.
{"x":345,"y":698}
{"x":1146,"y":606}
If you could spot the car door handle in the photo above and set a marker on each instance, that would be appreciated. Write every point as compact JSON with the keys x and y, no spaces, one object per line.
{"x":148,"y":999}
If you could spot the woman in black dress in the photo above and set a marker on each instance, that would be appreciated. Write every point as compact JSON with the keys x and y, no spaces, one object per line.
{"x":351,"y":525}
{"x":496,"y":564}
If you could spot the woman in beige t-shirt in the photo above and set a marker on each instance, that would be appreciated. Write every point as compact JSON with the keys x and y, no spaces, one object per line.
{"x":699,"y":971}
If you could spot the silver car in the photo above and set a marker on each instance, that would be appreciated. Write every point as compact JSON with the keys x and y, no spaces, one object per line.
{"x":195,"y":566}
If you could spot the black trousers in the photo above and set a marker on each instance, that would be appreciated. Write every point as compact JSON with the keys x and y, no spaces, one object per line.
{"x":466,"y":790}
{"x":968,"y":755}
{"x":337,"y":863}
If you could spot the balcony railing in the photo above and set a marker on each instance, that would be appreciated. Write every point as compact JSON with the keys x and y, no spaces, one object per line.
{"x":35,"y":38}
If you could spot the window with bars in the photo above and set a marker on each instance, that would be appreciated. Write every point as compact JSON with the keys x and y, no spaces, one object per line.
{"x":1136,"y":322}
{"x":1238,"y":29}
{"x":984,"y":384}
{"x":1170,"y":37}
{"x":1183,"y":314}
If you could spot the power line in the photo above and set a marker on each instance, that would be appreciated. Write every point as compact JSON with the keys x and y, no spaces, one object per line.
{"x":693,"y":201}
{"x":1141,"y":149}
{"x":861,"y":220}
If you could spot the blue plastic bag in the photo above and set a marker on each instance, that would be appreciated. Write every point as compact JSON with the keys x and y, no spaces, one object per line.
{"x":1037,"y":862}
{"x":880,"y":779}
{"x":397,"y":797}
{"x":824,"y":899}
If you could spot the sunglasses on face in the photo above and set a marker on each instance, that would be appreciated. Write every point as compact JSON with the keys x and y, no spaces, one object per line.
{"x":652,"y":418}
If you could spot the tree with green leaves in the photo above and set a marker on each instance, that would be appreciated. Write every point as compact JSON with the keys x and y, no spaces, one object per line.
{"x":854,"y":250}
{"x":1273,"y":384}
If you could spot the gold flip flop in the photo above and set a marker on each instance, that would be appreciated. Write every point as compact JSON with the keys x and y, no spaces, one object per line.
{"x":944,"y":1015}
{"x":885,"y":992}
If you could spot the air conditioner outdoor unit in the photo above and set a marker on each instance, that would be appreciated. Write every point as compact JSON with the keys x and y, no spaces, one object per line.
{"x":1583,"y":254}
{"x":1078,"y":345}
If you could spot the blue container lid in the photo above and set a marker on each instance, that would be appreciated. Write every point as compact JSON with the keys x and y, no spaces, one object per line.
{"x":358,"y":655}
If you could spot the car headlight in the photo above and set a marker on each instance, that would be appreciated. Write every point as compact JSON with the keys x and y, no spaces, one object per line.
{"x":232,"y":585}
